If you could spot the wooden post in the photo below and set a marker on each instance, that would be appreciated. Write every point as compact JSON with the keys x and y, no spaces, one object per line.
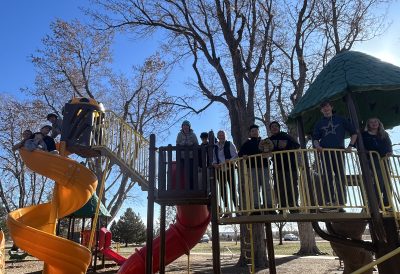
{"x":270,"y":248}
{"x":150,"y":205}
{"x":162,"y":239}
{"x":300,"y":132}
{"x":380,"y":232}
{"x":216,"y":250}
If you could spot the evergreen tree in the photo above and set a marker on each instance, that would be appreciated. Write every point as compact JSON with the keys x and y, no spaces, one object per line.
{"x":129,"y":228}
{"x":115,"y":232}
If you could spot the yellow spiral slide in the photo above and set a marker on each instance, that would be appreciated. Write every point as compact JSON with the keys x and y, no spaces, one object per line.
{"x":32,"y":228}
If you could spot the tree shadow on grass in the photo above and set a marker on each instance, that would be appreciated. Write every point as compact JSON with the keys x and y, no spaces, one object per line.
{"x":227,"y":266}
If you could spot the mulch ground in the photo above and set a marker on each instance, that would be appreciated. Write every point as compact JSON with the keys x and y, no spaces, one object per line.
{"x":200,"y":263}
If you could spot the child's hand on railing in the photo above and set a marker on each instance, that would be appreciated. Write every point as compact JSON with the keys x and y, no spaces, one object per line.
{"x":267,"y":154}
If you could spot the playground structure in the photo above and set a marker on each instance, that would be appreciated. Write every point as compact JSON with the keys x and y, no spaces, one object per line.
{"x":105,"y":247}
{"x":91,"y":132}
{"x":86,"y":215}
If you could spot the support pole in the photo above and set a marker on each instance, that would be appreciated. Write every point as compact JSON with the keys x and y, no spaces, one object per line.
{"x":162,"y":239}
{"x":150,"y":205}
{"x":214,"y":218}
{"x":270,"y":248}
{"x":381,"y":231}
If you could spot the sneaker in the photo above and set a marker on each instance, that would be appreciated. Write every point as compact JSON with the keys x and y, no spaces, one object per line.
{"x":328,"y":210}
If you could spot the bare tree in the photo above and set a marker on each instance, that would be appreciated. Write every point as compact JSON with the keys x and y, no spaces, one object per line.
{"x":344,"y":23}
{"x":307,"y":34}
{"x":19,"y":187}
{"x":231,"y":42}
{"x":280,"y":226}
{"x":227,"y":43}
{"x":170,"y":218}
{"x":143,"y":101}
{"x":75,"y":61}
{"x":236,"y":231}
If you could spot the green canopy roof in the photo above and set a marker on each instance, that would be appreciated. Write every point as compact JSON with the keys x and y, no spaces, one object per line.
{"x":375,"y":86}
{"x":89,"y":209}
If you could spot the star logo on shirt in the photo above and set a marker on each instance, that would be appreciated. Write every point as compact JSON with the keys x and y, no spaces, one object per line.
{"x":330,"y":128}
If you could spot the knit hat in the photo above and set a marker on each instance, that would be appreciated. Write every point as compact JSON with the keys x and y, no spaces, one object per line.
{"x":186,"y":122}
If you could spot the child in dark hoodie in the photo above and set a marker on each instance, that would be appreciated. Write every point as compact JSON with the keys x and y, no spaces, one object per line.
{"x":258,"y":168}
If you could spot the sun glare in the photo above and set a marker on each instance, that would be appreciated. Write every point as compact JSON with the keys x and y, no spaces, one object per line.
{"x":389,"y":57}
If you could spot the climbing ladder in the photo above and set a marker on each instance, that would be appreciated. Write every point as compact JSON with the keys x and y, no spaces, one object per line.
{"x":248,"y":248}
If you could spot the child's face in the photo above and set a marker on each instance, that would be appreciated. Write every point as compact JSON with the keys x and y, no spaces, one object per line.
{"x":274,"y":128}
{"x":52,"y":119}
{"x":373,"y":124}
{"x":254,"y":132}
{"x":26,"y":134}
{"x":38,"y":137}
{"x":45,"y":130}
{"x":327,"y":110}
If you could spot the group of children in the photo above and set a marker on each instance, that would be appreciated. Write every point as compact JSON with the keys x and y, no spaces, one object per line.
{"x":328,"y":136}
{"x":42,"y":139}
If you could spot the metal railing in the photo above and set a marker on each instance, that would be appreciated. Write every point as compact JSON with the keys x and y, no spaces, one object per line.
{"x":291,"y":181}
{"x":117,"y":136}
{"x":387,"y":172}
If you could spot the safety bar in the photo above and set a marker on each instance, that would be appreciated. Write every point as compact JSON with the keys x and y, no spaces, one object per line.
{"x":293,"y":181}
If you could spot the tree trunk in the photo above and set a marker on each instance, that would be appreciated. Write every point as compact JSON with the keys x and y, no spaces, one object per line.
{"x":353,"y":257}
{"x":280,"y":235}
{"x":308,"y":245}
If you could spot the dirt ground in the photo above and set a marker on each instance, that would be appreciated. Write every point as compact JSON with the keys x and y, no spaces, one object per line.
{"x":202,"y":263}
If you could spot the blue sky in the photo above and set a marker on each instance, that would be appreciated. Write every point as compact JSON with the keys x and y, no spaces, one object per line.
{"x":24,"y":23}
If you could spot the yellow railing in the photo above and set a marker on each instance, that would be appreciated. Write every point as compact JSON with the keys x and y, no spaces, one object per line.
{"x":292,"y":181}
{"x":389,"y":192}
{"x":114,"y":134}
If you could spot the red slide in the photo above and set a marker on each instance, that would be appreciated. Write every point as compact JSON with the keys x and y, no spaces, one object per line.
{"x":191,"y":223}
{"x":111,"y":254}
{"x":104,"y":247}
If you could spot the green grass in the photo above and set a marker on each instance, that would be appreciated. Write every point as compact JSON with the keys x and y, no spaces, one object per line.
{"x":287,"y":248}
{"x":290,"y":248}
{"x":224,"y":246}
